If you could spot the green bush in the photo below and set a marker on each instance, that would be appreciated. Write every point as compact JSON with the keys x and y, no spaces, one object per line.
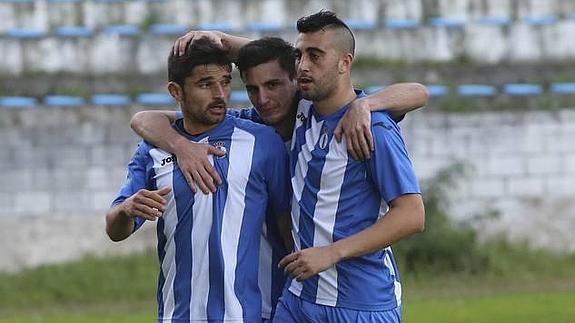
{"x":444,"y":246}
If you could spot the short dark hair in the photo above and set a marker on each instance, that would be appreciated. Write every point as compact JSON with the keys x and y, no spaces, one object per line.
{"x":265,"y":50}
{"x":199,"y":52}
{"x":324,"y":20}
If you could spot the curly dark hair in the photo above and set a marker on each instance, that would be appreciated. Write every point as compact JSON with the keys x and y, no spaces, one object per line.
{"x":199,"y":52}
{"x":265,"y":50}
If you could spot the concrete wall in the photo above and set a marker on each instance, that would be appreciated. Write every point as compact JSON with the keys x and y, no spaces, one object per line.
{"x":100,"y":51}
{"x":62,"y":167}
{"x":46,"y":14}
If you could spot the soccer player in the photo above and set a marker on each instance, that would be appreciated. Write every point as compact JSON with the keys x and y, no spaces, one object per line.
{"x":267,"y":66}
{"x":342,"y":269}
{"x":206,"y":243}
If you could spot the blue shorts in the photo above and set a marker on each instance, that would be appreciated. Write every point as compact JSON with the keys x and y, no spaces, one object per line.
{"x":291,"y":308}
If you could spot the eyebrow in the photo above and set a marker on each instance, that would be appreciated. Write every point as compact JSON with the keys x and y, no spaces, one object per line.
{"x":211,"y":78}
{"x":314,"y":49}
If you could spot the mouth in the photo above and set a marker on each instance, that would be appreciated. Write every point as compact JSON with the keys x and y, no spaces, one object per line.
{"x":304,"y":80}
{"x":217,"y":108}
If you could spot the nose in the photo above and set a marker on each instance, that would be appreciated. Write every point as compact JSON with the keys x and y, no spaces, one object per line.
{"x":262,"y":97}
{"x":302,"y":64}
{"x":218,"y":91}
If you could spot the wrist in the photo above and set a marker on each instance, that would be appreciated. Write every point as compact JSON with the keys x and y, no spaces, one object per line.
{"x":365,"y":104}
{"x":177,"y":143}
{"x":338,"y":253}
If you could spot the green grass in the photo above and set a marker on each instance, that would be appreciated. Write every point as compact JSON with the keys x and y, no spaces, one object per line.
{"x":532,"y":307}
{"x":522,"y":286}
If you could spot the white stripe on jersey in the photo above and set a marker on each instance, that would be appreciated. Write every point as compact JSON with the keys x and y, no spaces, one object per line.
{"x":324,"y":216}
{"x":240,"y":163}
{"x":170,"y":219}
{"x":396,"y":284}
{"x":298,"y":183}
{"x":201,"y":223}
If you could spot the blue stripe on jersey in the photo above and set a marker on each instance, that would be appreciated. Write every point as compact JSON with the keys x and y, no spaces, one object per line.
{"x":182,"y":289}
{"x":216,"y":296}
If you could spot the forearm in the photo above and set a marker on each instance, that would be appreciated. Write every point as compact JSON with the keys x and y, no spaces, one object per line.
{"x":398,"y":98}
{"x":119,"y":226}
{"x":233,"y":43}
{"x":399,"y":222}
{"x":155,"y":127}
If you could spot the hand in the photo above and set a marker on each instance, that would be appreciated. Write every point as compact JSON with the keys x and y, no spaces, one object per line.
{"x":147,"y":204}
{"x":197,"y":169}
{"x":181,"y":44}
{"x":355,"y":125}
{"x":306,"y":263}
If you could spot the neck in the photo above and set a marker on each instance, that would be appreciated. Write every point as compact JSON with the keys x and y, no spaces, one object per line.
{"x":343,"y":94}
{"x":285,"y":127}
{"x":195,"y":128}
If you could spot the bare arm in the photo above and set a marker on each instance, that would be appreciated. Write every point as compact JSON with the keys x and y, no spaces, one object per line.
{"x":406,"y":216}
{"x":398,"y":99}
{"x":155,"y":127}
{"x":147,"y":204}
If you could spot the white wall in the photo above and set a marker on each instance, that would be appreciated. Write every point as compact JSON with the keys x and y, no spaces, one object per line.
{"x":63,"y":167}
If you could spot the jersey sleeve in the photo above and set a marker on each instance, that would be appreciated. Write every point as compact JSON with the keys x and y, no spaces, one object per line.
{"x":179,"y":114}
{"x":136,"y":180}
{"x":246,"y":114}
{"x":277,"y":174}
{"x":390,"y":167}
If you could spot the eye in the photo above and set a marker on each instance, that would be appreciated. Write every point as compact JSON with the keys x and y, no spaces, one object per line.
{"x":251,"y":90}
{"x":297,"y":55}
{"x":314,"y":57}
{"x":203,"y":85}
{"x":272,"y":86}
{"x":226,"y":82}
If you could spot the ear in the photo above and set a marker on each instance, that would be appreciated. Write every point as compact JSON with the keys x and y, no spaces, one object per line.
{"x":344,"y":64}
{"x":176,"y":91}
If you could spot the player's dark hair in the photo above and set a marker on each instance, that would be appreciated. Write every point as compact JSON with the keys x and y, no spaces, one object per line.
{"x":265,"y":50}
{"x":199,"y":52}
{"x":324,"y":20}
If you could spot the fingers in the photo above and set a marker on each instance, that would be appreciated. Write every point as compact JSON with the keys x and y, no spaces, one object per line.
{"x":190,"y":180}
{"x":150,"y":199}
{"x":182,"y":44}
{"x":203,"y":182}
{"x":215,"y":151}
{"x":288,"y":259}
{"x":369,"y":136}
{"x":364,"y":145}
{"x":164,"y":190}
{"x":147,"y":212}
{"x":352,"y":145}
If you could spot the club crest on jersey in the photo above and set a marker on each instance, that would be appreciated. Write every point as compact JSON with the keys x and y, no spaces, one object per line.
{"x":323,"y":137}
{"x":221,"y":146}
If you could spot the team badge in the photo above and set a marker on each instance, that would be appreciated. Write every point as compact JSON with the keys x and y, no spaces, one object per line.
{"x":221,"y":146}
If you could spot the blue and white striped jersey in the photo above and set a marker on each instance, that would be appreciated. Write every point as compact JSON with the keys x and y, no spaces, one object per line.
{"x":335,"y":197}
{"x":208,"y":245}
{"x":272,"y":248}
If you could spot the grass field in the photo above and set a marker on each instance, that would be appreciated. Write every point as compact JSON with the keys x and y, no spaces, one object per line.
{"x":121,"y":290}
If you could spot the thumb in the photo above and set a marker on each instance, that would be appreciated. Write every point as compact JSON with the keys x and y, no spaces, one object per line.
{"x":215,"y":151}
{"x":164,"y":190}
